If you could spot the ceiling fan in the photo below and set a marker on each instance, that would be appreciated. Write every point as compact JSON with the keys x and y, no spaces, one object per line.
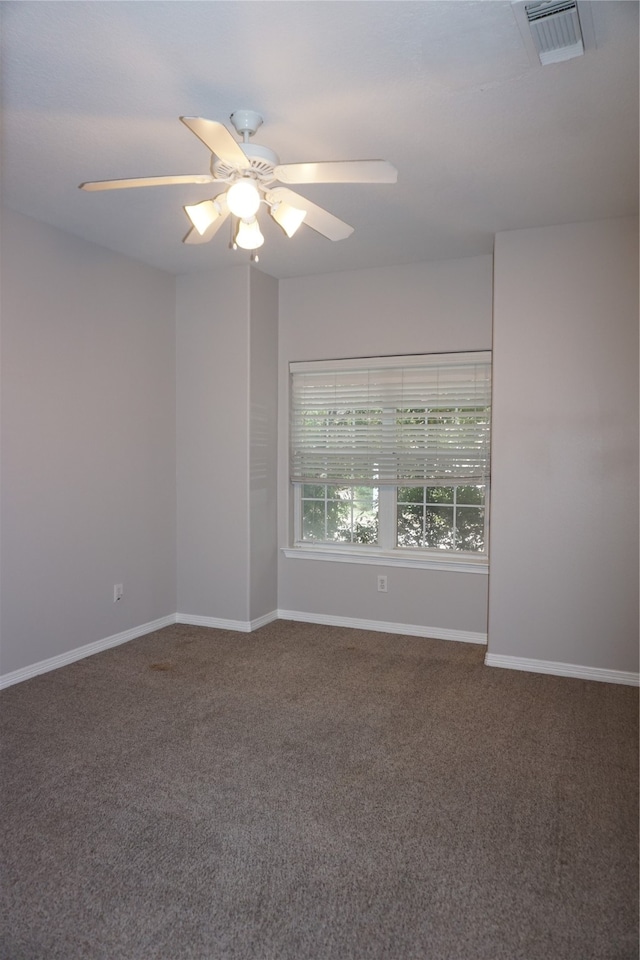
{"x":243,"y":176}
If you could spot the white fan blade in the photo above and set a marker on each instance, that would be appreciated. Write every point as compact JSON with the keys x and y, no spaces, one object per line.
{"x":147,"y":182}
{"x":339,"y":171}
{"x":317,"y":218}
{"x":216,"y":212}
{"x":217,"y":138}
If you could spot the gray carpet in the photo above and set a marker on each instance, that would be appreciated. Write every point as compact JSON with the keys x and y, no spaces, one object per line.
{"x":316,"y":792}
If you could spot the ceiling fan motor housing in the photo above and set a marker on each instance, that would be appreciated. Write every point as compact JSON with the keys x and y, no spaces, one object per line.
{"x":262,"y":163}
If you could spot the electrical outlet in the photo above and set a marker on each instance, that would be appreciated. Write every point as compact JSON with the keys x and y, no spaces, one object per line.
{"x":118,"y":592}
{"x":382,"y":584}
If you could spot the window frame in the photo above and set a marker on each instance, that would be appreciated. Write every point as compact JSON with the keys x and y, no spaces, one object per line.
{"x":386,"y":552}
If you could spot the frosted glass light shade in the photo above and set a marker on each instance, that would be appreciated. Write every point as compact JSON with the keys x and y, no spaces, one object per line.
{"x":288,"y":217}
{"x":203,"y":214}
{"x":249,"y":236}
{"x":243,"y":199}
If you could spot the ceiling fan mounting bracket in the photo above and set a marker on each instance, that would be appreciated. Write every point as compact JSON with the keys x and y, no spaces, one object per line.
{"x":246,"y":122}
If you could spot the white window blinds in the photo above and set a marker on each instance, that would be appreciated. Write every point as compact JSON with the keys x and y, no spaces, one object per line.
{"x":391,"y":420}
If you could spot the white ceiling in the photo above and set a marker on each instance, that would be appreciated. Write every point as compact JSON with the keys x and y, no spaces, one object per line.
{"x":483,"y":140}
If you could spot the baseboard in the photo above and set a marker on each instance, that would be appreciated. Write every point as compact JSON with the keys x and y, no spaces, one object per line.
{"x":562,"y":669}
{"x":382,"y":626}
{"x":44,"y":666}
{"x":247,"y":626}
{"x":243,"y":626}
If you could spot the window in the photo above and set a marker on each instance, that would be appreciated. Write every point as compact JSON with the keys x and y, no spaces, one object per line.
{"x":389,"y":457}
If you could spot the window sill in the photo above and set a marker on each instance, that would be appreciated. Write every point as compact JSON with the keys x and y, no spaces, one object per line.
{"x":390,"y":559}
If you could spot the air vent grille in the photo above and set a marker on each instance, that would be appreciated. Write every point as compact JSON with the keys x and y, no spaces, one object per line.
{"x":555,"y":28}
{"x":536,"y":11}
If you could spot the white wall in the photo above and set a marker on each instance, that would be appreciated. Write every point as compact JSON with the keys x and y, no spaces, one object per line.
{"x":212,"y":355}
{"x":564,"y":517}
{"x":418,"y":308}
{"x":88,"y":443}
{"x":226,"y":324}
{"x":263,"y":442}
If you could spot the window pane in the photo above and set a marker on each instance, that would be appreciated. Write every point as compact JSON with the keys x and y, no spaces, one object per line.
{"x":439,"y":494}
{"x":439,"y":528}
{"x":367,"y":495}
{"x":313,"y":490}
{"x":339,"y":524}
{"x":470,"y":528}
{"x":338,"y":513}
{"x":365,"y":522}
{"x":338,"y":493}
{"x":365,"y":515}
{"x":410,"y":495}
{"x":410,"y":532}
{"x":313,"y":517}
{"x":471,"y":494}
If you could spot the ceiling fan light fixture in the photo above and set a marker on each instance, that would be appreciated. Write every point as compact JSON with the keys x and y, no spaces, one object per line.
{"x":243,"y":199}
{"x":248,"y":173}
{"x":203,"y":214}
{"x":249,"y":236}
{"x":287,"y":217}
